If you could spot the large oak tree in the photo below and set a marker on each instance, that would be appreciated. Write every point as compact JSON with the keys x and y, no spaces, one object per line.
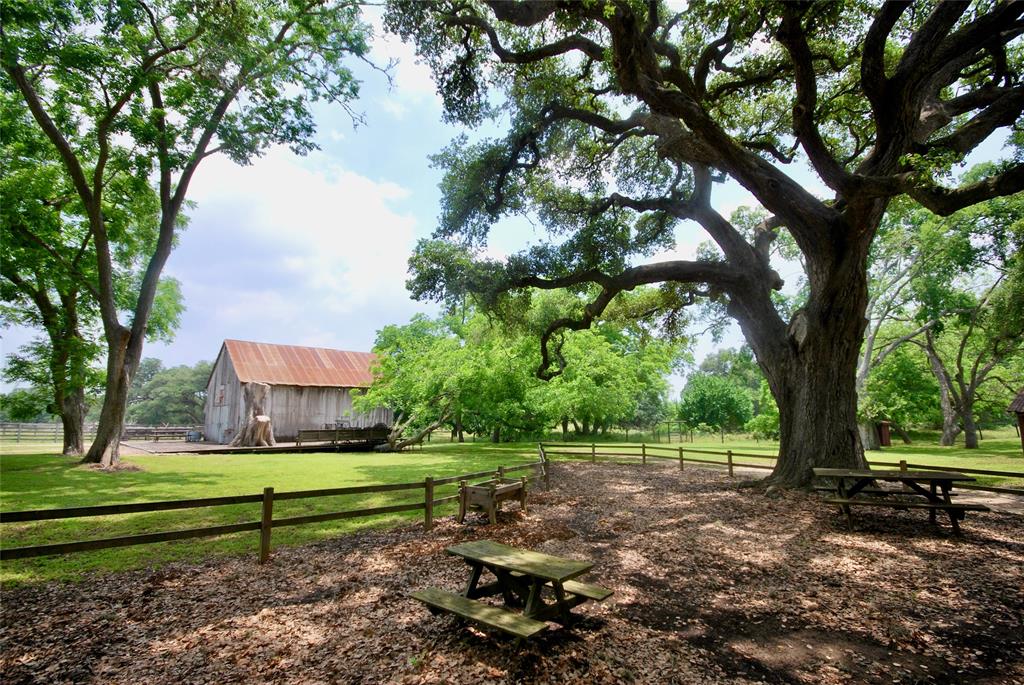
{"x":622,"y":116}
{"x":151,"y":88}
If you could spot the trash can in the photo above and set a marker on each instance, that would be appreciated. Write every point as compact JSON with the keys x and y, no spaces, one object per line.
{"x":883,"y":434}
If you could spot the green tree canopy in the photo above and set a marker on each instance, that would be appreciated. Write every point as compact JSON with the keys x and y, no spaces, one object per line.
{"x":477,"y":373}
{"x":621,"y":117}
{"x":140,"y":92}
{"x":171,"y":397}
{"x":715,"y":403}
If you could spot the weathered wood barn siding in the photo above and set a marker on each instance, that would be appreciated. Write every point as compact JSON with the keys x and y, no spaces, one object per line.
{"x":223,"y":401}
{"x":310,"y":400}
{"x":293,"y":407}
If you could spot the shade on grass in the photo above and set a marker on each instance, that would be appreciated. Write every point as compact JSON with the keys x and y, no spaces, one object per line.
{"x":46,"y":481}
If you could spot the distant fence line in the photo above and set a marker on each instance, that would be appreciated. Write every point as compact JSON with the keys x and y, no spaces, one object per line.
{"x":54,"y":432}
{"x":682,"y":454}
{"x":267,"y":521}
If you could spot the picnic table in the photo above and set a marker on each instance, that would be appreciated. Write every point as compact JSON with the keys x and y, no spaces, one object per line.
{"x":929,"y":490}
{"x":522,"y":578}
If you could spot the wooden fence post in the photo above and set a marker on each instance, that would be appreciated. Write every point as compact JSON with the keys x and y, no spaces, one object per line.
{"x":643,"y":453}
{"x":903,"y":464}
{"x":501,"y":473}
{"x":593,"y":453}
{"x":729,"y":452}
{"x":266,"y":524}
{"x":428,"y":503}
{"x":680,"y":457}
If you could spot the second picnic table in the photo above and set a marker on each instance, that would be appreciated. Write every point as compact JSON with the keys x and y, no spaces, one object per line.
{"x":521,"y":577}
{"x":914,"y":483}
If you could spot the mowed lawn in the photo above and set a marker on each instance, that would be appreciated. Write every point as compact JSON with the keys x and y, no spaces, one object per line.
{"x":48,"y":481}
{"x":999,"y":451}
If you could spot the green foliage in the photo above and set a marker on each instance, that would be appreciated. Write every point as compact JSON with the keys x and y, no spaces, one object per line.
{"x":480,"y":374}
{"x":739,"y":367}
{"x":26,"y":405}
{"x":174,"y":396}
{"x":132,"y":95}
{"x":715,"y":402}
{"x":765,"y":425}
{"x":902,"y":390}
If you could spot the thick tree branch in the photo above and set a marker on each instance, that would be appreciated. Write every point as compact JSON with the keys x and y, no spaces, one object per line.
{"x":792,"y":35}
{"x":945,"y":201}
{"x":718,"y":274}
{"x":872,"y":67}
{"x":42,"y":117}
{"x":71,"y":269}
{"x":1004,"y":111}
{"x":559,"y":47}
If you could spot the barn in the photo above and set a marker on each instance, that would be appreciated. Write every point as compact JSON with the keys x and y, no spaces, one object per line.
{"x":310,"y":387}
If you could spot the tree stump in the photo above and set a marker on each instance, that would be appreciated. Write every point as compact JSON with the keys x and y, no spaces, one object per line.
{"x":258,"y":432}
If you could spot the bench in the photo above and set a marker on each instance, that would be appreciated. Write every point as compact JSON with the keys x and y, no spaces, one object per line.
{"x":154,"y":434}
{"x":336,"y":435}
{"x":881,"y":492}
{"x":575,"y":587}
{"x":906,"y":504}
{"x":484,"y":614}
{"x":488,"y":496}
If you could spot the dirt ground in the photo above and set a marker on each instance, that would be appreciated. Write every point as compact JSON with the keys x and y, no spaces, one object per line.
{"x":713,"y":584}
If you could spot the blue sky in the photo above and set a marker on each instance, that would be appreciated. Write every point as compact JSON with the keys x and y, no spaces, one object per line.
{"x":312,"y":250}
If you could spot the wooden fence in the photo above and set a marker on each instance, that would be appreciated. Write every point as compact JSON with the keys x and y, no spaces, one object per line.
{"x":54,"y":432}
{"x":38,"y":432}
{"x":265,"y":524}
{"x":683,"y":454}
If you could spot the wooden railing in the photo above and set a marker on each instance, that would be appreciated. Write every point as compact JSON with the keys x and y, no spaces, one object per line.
{"x":336,"y":435}
{"x":683,"y":454}
{"x":54,"y":432}
{"x":265,"y":524}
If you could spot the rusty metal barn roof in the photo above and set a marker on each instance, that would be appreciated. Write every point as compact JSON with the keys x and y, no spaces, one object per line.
{"x":294,"y":365}
{"x":1017,"y":406}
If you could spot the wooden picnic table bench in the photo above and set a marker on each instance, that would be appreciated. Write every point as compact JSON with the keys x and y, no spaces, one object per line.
{"x":522,"y":577}
{"x":936,"y":497}
{"x":488,"y":495}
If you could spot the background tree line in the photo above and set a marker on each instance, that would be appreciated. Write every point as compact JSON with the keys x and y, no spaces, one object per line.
{"x":158,"y":396}
{"x":471,"y":373}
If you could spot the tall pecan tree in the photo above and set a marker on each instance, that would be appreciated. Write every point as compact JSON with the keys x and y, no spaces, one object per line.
{"x":623,"y":116}
{"x":151,"y":88}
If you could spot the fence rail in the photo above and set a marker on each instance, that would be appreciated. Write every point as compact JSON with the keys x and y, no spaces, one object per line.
{"x":267,"y":521}
{"x":680,"y":454}
{"x":54,"y":432}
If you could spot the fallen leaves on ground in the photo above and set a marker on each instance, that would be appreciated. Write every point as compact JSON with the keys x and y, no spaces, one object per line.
{"x":713,"y":584}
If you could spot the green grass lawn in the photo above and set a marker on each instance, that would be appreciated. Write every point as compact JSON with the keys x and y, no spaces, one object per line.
{"x":48,"y":481}
{"x":999,"y":451}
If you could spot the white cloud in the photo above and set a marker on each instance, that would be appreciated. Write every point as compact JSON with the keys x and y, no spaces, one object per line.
{"x":297,"y":244}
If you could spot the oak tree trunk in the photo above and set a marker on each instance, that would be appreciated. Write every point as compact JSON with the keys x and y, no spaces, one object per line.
{"x":869,"y":436}
{"x":970,"y":426}
{"x":72,"y":417}
{"x":902,"y":432}
{"x":811,"y":366}
{"x":122,"y":360}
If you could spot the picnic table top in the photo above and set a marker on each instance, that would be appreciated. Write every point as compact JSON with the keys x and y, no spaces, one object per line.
{"x":536,"y":564}
{"x":892,"y":475}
